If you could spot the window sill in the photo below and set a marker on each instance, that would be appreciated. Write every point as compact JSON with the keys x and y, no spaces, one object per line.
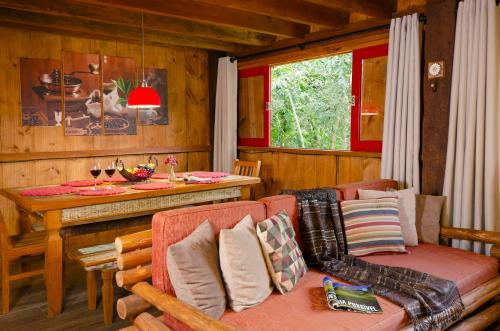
{"x":308,"y":151}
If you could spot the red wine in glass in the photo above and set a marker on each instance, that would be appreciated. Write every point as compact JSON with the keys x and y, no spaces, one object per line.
{"x":95,"y":171}
{"x":110,"y":171}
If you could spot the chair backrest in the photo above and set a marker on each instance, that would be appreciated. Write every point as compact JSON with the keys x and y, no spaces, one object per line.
{"x":4,"y":234}
{"x":246,"y":168}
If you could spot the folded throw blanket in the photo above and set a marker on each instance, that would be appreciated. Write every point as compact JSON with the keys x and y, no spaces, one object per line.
{"x":431,"y":302}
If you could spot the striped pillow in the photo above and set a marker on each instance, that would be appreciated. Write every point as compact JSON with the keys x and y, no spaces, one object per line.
{"x":372,"y":226}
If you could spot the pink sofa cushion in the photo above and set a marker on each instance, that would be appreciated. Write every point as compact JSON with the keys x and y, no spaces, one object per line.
{"x":350,"y":191}
{"x":174,"y":225}
{"x":301,"y":310}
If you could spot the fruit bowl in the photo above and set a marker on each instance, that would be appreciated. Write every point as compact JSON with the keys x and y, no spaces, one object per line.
{"x":139,"y":173}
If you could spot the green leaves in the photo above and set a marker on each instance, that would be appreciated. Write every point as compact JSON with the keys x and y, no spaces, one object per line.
{"x":124,"y":87}
{"x":317,"y":93}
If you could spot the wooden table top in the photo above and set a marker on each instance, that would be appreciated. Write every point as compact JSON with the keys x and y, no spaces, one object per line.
{"x":41,"y":204}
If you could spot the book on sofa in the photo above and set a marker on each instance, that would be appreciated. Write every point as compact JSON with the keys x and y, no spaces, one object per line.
{"x":350,"y":297}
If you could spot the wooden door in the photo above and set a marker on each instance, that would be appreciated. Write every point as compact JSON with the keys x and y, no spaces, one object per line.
{"x":369,"y":70}
{"x":253,"y":107}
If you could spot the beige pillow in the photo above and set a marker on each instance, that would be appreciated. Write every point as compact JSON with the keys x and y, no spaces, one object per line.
{"x":243,"y":266}
{"x":406,"y":207}
{"x":429,"y":217}
{"x":193,"y":267}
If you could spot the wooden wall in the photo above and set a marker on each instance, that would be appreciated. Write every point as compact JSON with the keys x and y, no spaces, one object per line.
{"x":284,"y":168}
{"x":44,"y":155}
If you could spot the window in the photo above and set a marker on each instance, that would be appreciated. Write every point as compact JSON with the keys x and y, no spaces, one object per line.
{"x":334,"y":102}
{"x":311,"y":103}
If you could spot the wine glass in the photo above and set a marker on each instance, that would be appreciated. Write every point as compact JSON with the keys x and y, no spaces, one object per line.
{"x":110,"y":171}
{"x":95,"y":171}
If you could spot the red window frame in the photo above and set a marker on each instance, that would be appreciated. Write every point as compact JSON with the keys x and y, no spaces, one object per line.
{"x":266,"y":72}
{"x":358,"y":56}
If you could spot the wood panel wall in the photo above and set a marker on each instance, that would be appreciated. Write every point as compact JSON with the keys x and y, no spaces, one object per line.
{"x":188,"y":131}
{"x":284,"y":168}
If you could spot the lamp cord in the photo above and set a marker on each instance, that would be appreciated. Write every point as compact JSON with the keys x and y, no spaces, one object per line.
{"x":142,"y":58}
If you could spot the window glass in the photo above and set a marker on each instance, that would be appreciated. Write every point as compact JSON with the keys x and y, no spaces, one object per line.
{"x":311,"y":103}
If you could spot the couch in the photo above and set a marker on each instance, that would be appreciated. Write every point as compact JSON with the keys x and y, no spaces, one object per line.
{"x":302,"y":309}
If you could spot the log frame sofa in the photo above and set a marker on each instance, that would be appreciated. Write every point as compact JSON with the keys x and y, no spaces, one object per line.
{"x":181,"y":316}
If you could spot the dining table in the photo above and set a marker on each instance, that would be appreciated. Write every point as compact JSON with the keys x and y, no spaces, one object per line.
{"x":62,"y":211}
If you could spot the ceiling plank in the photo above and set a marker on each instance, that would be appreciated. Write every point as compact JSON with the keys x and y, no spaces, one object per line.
{"x":373,"y":8}
{"x":110,"y":15}
{"x":90,"y":29}
{"x":206,"y":13}
{"x":295,"y":10}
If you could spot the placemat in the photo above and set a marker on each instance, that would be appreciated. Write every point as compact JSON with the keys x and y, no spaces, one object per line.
{"x":101,"y":191}
{"x":47,"y":191}
{"x":152,"y":186}
{"x":83,"y":182}
{"x":116,"y":180}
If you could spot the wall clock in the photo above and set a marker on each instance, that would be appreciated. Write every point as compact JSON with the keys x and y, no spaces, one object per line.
{"x":435,"y":69}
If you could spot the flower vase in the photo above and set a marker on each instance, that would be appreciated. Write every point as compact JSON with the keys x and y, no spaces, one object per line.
{"x":171,"y":174}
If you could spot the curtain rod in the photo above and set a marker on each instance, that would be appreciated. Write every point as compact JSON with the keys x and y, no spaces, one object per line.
{"x":302,"y":46}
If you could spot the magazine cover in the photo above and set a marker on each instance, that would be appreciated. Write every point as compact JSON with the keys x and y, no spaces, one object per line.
{"x":350,"y":297}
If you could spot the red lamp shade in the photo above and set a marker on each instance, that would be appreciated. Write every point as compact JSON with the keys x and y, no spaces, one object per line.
{"x":143,"y":97}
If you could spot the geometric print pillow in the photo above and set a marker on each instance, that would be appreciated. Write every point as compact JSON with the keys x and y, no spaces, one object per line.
{"x":283,"y":256}
{"x":372,"y":226}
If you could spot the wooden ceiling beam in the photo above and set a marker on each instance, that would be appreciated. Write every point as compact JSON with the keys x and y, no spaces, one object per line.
{"x":90,"y":29}
{"x":206,"y":13}
{"x":110,"y":15}
{"x":373,"y":8}
{"x":293,"y":10}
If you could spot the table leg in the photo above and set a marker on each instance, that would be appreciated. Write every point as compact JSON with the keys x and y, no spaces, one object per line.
{"x":53,"y":262}
{"x":245,"y":192}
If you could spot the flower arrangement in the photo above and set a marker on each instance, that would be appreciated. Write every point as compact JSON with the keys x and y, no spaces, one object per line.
{"x":171,"y":161}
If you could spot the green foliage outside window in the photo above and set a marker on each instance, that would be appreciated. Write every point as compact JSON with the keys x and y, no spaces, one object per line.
{"x":311,"y":103}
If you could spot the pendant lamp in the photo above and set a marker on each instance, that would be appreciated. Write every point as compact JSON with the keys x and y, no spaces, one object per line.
{"x":143,"y":97}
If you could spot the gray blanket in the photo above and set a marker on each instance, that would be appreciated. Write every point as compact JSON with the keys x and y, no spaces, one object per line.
{"x":431,"y":302}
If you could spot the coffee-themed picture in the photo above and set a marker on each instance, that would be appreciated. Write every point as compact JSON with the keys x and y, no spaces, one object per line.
{"x":82,"y":94}
{"x":158,"y":80}
{"x":40,"y":92}
{"x":118,"y":80}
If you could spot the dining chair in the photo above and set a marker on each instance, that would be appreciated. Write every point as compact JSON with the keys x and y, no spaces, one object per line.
{"x":13,"y":248}
{"x":246,"y":168}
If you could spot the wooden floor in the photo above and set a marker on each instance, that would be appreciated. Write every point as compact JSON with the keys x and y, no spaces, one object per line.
{"x":29,"y":308}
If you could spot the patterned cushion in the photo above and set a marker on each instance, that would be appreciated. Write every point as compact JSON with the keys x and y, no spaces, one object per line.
{"x":372,"y":226}
{"x":283,"y":256}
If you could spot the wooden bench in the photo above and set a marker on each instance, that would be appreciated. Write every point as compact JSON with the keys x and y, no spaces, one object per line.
{"x":93,"y":259}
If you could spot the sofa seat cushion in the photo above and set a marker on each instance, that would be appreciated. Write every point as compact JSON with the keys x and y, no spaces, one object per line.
{"x":305,"y":308}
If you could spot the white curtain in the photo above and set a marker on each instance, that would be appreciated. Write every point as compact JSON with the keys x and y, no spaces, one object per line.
{"x":472,"y":182}
{"x":401,"y":141}
{"x":226,"y":115}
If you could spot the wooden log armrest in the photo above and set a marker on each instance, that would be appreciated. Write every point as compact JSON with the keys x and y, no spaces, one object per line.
{"x":188,"y":315}
{"x":489,"y":237}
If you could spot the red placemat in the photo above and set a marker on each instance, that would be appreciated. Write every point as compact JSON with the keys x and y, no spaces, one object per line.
{"x":160,"y":175}
{"x":152,"y":186}
{"x":101,"y":191}
{"x":83,"y":182}
{"x":116,"y":180}
{"x":211,"y":181}
{"x":47,"y":191}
